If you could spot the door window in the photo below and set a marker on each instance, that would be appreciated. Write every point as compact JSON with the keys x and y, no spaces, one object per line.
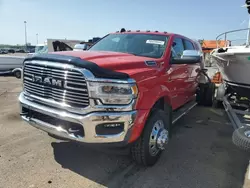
{"x":188,"y":45}
{"x":177,"y":48}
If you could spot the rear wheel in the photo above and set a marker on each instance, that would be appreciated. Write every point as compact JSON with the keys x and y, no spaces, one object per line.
{"x":210,"y":92}
{"x":148,"y":148}
{"x":200,"y":94}
{"x":218,"y":104}
{"x":205,"y":94}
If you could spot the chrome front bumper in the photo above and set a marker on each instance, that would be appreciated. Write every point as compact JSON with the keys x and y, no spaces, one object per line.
{"x":88,"y":122}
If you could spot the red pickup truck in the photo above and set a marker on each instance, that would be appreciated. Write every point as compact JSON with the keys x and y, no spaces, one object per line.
{"x":126,"y":90}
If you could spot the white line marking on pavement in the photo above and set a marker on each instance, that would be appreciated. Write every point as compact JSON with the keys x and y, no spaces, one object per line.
{"x":249,"y":171}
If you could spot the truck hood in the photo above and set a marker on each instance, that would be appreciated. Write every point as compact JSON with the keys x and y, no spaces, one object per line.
{"x":119,"y":62}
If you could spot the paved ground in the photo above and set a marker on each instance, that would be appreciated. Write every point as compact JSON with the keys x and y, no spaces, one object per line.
{"x":14,"y":54}
{"x":200,"y":155}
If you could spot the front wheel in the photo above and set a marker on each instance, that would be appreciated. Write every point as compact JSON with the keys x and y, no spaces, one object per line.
{"x":148,"y":148}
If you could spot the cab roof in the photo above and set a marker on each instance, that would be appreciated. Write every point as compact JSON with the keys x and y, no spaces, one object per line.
{"x":148,"y":32}
{"x":144,"y":32}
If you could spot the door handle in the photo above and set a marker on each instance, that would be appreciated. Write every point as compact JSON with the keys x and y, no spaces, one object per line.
{"x":186,"y":71}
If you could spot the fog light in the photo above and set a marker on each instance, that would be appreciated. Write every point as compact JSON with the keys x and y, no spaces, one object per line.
{"x":109,"y":128}
{"x":112,"y":125}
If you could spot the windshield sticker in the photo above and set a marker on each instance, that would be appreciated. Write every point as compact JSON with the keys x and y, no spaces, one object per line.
{"x":159,"y":42}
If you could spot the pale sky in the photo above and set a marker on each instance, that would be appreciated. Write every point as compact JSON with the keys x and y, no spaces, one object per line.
{"x":84,"y":19}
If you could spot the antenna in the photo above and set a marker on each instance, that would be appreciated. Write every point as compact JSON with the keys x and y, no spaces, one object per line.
{"x":248,"y":32}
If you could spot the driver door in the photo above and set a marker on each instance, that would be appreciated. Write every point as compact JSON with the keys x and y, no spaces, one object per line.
{"x":177,"y":76}
{"x":193,"y":70}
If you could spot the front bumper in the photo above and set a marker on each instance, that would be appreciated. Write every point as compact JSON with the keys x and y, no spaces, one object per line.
{"x":78,"y":127}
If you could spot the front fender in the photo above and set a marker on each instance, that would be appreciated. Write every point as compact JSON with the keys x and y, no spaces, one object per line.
{"x":146,"y":100}
{"x":148,"y":97}
{"x":152,"y":86}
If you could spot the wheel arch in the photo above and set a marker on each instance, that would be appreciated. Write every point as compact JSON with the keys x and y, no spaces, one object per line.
{"x":162,"y":103}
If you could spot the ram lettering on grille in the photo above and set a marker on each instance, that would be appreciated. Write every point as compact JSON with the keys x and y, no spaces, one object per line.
{"x":58,"y":84}
{"x":47,"y":81}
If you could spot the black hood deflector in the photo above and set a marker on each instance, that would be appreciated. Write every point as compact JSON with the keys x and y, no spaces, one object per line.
{"x":98,"y":71}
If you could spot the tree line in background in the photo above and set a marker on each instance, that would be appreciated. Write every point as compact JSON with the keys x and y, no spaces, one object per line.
{"x":14,"y":46}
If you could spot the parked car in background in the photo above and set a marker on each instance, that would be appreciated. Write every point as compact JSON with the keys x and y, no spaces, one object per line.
{"x":11,"y":51}
{"x":54,"y":45}
{"x":20,"y":51}
{"x":3,"y":51}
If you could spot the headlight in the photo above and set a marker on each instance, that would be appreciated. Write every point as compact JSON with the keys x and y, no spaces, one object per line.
{"x":113,"y":93}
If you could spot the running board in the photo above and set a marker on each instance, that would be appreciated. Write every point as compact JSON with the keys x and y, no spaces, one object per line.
{"x":183,"y":111}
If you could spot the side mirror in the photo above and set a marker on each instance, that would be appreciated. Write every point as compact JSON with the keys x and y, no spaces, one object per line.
{"x":188,"y":57}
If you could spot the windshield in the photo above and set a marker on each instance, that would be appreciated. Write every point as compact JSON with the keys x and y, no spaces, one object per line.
{"x":148,"y":45}
{"x":41,"y":49}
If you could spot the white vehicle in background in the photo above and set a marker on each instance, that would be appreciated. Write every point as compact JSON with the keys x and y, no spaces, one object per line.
{"x":81,"y":47}
{"x":41,"y":48}
{"x":54,"y":45}
{"x":11,"y":65}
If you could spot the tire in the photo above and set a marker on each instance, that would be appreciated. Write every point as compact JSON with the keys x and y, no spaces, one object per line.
{"x":17,"y":74}
{"x":200,"y":94}
{"x":210,"y":92}
{"x":240,"y":139}
{"x":205,"y":94}
{"x":140,"y":149}
{"x":218,"y":104}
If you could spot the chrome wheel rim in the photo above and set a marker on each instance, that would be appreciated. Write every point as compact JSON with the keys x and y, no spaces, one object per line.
{"x":158,"y":138}
{"x":247,"y":133}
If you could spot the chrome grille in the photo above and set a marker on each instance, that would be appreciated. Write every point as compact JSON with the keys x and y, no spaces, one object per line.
{"x":59,"y":84}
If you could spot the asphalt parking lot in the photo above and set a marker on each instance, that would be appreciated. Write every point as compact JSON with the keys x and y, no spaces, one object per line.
{"x":200,"y":155}
{"x":14,"y":54}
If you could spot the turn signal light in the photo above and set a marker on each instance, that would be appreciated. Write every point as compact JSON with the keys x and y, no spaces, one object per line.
{"x":217,"y":78}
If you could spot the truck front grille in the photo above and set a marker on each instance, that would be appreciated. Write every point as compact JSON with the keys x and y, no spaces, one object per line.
{"x":59,"y":84}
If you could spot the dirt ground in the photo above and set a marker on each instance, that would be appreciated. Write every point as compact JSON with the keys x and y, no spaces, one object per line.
{"x":200,"y":155}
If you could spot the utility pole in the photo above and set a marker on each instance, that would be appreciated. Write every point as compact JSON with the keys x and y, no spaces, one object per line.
{"x":37,"y":38}
{"x":25,"y":31}
{"x":247,"y":5}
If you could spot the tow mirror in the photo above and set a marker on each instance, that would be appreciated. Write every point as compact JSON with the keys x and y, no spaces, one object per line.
{"x":188,"y":57}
